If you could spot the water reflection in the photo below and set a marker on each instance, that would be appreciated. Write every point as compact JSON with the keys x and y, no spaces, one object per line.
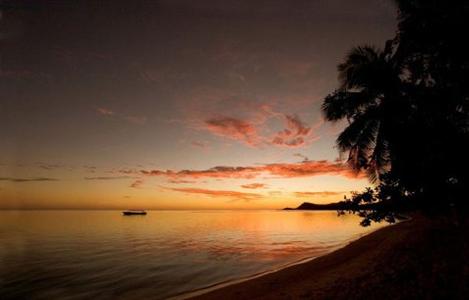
{"x":104,"y":255}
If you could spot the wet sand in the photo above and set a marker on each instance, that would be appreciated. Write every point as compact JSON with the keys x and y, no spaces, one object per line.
{"x":417,"y":259}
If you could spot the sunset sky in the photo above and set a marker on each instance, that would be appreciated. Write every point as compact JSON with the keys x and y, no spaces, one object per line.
{"x":175,"y":104}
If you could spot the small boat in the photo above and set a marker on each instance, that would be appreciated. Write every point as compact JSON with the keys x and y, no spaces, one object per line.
{"x":134,"y":213}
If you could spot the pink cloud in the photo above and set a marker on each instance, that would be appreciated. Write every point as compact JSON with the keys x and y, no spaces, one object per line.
{"x":252,"y":122}
{"x":233,"y":128}
{"x":310,"y":168}
{"x":279,"y":170}
{"x":104,"y":111}
{"x":252,"y":132}
{"x":296,"y":133}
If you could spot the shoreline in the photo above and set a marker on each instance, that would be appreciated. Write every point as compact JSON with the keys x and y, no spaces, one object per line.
{"x":389,"y":263}
{"x":226,"y":284}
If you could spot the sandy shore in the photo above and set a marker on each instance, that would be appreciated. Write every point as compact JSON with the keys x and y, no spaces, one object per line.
{"x":416,"y":259}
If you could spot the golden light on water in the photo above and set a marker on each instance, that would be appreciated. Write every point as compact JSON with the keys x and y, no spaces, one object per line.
{"x":67,"y":251}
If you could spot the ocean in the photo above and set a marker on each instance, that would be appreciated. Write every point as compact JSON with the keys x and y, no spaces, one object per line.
{"x":165,"y":254}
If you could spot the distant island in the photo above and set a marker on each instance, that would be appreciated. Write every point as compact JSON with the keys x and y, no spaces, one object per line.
{"x":341,"y":205}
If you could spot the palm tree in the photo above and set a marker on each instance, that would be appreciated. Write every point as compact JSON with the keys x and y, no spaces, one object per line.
{"x":407,"y":106}
{"x":370,"y":98}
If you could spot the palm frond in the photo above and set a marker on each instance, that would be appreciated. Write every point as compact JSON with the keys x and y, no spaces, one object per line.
{"x":358,"y":69}
{"x":345,"y":104}
{"x":379,"y":158}
{"x":367,"y":68}
{"x":360,"y":151}
{"x":359,"y":125}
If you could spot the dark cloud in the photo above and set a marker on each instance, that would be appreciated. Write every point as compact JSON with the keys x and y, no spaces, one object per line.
{"x":50,"y":166}
{"x":234,"y":195}
{"x":139,"y":120}
{"x":108,"y":177}
{"x":254,"y":186}
{"x":11,"y":179}
{"x":90,"y":169}
{"x":181,"y":181}
{"x":319,"y":194}
{"x":304,"y":157}
{"x":137,"y":184}
{"x":199,"y":144}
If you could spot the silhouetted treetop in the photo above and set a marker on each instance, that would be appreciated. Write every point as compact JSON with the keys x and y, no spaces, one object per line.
{"x":407,"y":106}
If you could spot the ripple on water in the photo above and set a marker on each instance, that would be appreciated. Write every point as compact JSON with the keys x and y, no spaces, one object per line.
{"x":102,"y":255}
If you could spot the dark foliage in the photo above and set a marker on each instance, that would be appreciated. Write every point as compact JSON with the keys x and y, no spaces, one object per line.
{"x":408,"y":111}
{"x":388,"y":201}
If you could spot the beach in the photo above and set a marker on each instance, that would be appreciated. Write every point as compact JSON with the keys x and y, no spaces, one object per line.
{"x":416,"y":259}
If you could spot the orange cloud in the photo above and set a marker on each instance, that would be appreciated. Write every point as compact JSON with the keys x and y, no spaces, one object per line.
{"x":296,"y":133}
{"x":219,"y":193}
{"x":235,"y":129}
{"x":309,"y":169}
{"x":215,"y":172}
{"x":253,"y":131}
{"x":254,"y":186}
{"x":281,"y":170}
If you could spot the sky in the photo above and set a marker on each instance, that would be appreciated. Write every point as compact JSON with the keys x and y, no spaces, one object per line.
{"x":176,"y":104}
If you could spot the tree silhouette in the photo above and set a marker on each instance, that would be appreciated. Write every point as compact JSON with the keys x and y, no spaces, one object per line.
{"x":369,"y":99}
{"x":407,"y":108}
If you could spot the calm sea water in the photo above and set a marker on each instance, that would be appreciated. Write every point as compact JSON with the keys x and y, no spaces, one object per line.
{"x":104,"y":255}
